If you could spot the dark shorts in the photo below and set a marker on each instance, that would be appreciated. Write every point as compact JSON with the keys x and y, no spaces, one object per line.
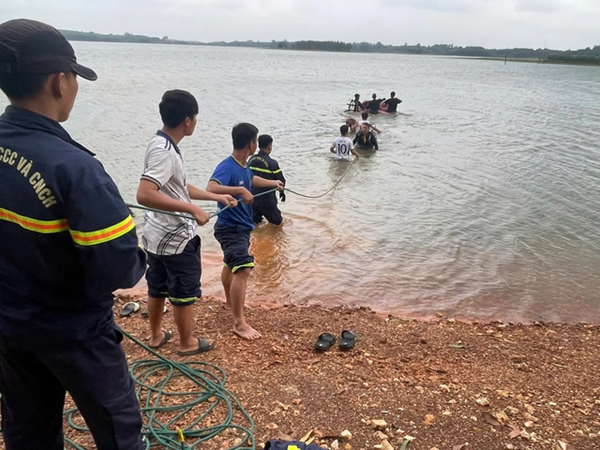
{"x":269,"y":210}
{"x":235,"y":242}
{"x":176,"y":276}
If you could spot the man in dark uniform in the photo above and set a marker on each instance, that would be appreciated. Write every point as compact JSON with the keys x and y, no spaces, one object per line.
{"x":67,"y":241}
{"x":365,"y":138}
{"x":392,"y":102}
{"x":374,"y":104}
{"x":264,"y":166}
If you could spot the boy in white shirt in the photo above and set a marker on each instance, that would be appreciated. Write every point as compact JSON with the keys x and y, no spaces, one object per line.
{"x":342,"y":146}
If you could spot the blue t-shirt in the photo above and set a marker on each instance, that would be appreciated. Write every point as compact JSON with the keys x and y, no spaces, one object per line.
{"x":231,"y":173}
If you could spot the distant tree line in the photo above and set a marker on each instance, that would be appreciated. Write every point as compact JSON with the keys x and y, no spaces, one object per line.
{"x":127,"y":37}
{"x":585,"y":56}
{"x":582,"y":56}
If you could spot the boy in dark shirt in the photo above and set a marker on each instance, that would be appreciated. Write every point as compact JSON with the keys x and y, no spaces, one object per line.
{"x":392,"y":102}
{"x":374,"y":104}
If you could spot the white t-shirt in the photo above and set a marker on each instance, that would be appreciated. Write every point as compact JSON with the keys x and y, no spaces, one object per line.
{"x":342,"y":146}
{"x":359,"y":126}
{"x":163,"y":165}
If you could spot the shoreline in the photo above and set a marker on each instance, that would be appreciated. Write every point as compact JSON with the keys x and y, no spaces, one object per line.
{"x":139,"y":294}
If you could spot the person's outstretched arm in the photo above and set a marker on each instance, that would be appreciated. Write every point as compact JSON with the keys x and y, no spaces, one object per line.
{"x":199,"y":194}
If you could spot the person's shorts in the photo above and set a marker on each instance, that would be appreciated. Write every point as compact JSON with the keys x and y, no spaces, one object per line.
{"x":176,"y":276}
{"x":235,"y":242}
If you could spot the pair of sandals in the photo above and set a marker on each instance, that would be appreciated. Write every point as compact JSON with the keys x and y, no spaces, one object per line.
{"x":326,"y":340}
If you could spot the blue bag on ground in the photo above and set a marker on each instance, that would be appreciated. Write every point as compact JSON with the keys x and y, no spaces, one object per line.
{"x":275,"y":444}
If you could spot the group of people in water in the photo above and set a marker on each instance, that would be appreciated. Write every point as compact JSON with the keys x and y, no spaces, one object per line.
{"x":343,"y":147}
{"x":375,"y":105}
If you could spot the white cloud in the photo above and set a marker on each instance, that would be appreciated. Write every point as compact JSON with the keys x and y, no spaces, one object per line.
{"x":546,"y":6}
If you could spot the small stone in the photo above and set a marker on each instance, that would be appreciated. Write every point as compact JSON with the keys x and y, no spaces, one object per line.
{"x":335,"y":445}
{"x":376,"y":423}
{"x":482,"y":401}
{"x":346,"y":434}
{"x":385,"y":445}
{"x":380,"y":435}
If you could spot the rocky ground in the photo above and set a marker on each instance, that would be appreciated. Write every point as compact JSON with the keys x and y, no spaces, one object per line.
{"x":407,"y":384}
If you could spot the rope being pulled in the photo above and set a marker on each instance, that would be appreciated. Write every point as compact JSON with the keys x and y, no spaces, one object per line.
{"x":188,"y":216}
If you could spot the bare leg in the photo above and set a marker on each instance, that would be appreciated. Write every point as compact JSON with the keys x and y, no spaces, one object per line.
{"x":238,"y":298}
{"x":184,"y":319}
{"x":155,"y":315}
{"x":226,"y":278}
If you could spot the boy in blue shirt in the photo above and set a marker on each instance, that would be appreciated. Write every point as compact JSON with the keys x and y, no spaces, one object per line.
{"x":233,"y":176}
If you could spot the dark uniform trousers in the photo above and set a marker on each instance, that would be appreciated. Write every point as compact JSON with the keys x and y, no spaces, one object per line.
{"x":266,"y":206}
{"x":264,"y":166}
{"x":96,"y":375}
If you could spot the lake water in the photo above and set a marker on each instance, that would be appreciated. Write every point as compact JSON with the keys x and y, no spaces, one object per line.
{"x":483,"y":201}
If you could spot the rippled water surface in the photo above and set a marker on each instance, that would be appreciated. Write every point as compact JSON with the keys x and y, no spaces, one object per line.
{"x":482,"y":202}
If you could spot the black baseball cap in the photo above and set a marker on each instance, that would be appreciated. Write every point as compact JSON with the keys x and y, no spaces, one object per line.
{"x":35,"y":48}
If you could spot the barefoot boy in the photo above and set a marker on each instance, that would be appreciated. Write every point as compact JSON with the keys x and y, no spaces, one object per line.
{"x":233,"y":176}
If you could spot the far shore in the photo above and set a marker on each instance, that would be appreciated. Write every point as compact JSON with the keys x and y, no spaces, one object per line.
{"x":530,"y":60}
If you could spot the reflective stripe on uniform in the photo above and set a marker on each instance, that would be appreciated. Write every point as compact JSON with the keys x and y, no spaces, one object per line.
{"x":265,"y":170}
{"x":39,"y":226}
{"x":107,"y":234}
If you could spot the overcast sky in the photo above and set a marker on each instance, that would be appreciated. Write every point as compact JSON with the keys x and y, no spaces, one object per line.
{"x":560,"y":24}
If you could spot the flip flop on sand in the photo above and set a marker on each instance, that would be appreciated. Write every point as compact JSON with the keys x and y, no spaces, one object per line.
{"x":324,"y":342}
{"x":164,"y":341}
{"x":203,"y":346}
{"x":348,"y":339}
{"x":129,"y":308}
